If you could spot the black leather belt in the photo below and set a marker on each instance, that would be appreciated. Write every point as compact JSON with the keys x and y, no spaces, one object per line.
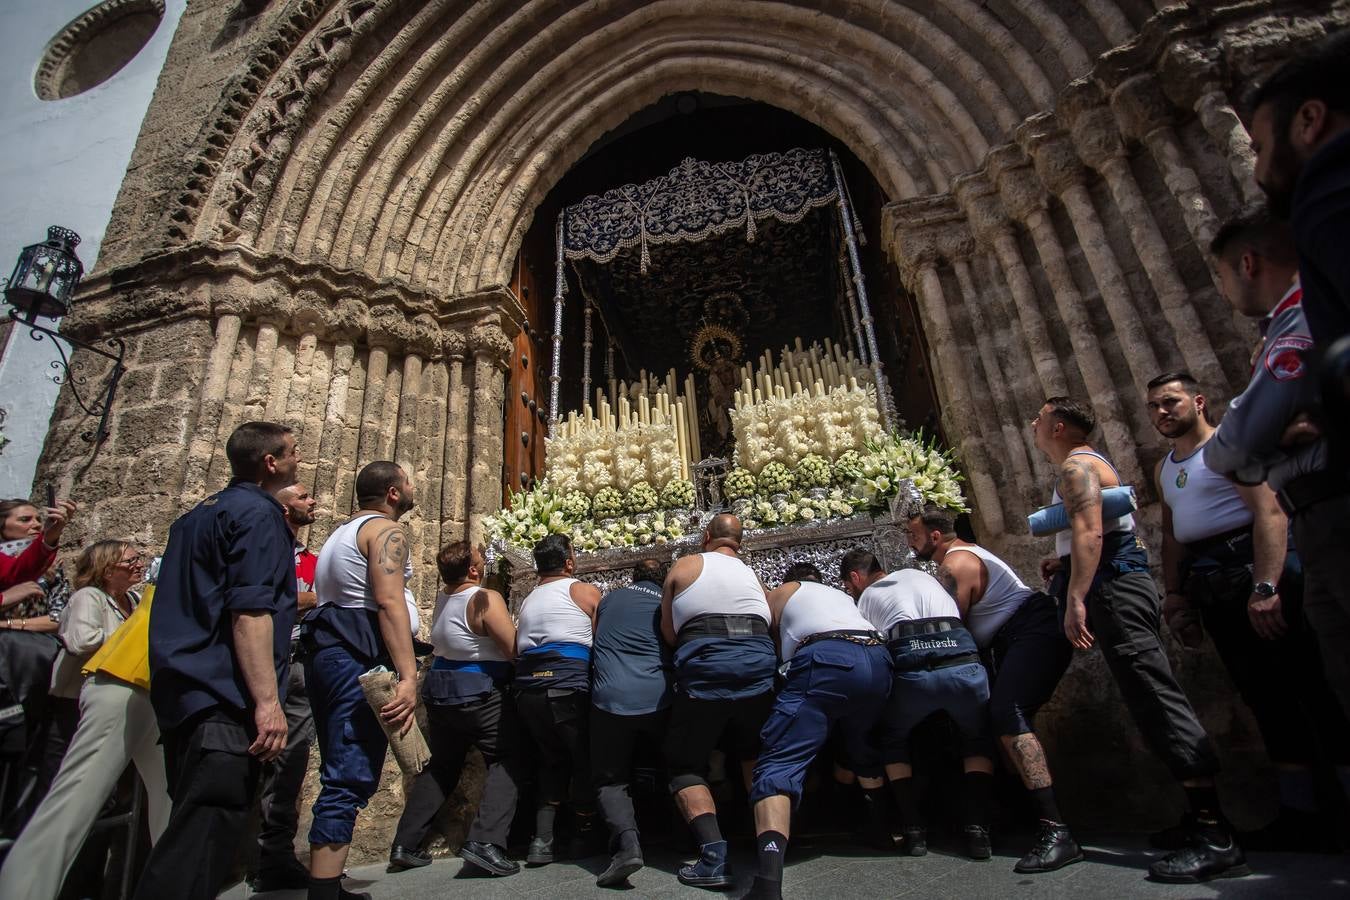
{"x":861,"y":638}
{"x":1311,"y":489}
{"x":917,"y":627}
{"x":714,"y":625}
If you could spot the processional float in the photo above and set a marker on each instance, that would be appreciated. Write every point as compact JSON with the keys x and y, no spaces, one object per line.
{"x":819,"y":466}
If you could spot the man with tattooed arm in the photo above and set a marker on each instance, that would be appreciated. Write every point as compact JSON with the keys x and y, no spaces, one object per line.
{"x":366,"y":616}
{"x":1099,"y":575}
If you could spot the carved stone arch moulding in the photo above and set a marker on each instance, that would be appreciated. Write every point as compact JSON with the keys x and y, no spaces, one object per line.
{"x":225,"y":125}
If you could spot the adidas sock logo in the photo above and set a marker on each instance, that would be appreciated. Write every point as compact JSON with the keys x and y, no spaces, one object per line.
{"x":772,"y":845}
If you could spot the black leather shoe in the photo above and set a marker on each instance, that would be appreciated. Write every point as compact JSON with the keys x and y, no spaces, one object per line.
{"x":621,"y":865}
{"x":977,"y":842}
{"x":1174,"y":837}
{"x":280,"y":880}
{"x":540,"y":852}
{"x":1054,"y":849}
{"x":916,"y":842}
{"x":401,"y":858}
{"x":488,"y":857}
{"x":1201,"y":861}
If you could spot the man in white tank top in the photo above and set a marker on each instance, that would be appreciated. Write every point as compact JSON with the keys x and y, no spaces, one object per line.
{"x":554,"y":633}
{"x":1025,"y":653}
{"x":1109,"y":600}
{"x":363,"y":619}
{"x":839,"y":672}
{"x":937,"y":672}
{"x":714,"y":613}
{"x":468,"y":704}
{"x":1224,"y":565}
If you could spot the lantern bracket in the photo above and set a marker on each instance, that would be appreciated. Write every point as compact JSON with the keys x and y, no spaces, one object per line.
{"x":112,"y":349}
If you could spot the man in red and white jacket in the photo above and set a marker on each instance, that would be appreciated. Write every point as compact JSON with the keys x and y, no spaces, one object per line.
{"x":1261,"y":437}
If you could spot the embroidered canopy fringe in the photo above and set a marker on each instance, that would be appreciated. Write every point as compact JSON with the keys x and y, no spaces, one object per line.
{"x":697,"y":200}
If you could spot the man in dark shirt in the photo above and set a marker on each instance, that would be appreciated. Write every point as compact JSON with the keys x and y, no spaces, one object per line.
{"x":1300,"y":129}
{"x":630,"y":700}
{"x":220,"y":638}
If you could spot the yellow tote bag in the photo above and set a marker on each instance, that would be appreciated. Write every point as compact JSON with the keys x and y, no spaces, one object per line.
{"x":125,"y":655}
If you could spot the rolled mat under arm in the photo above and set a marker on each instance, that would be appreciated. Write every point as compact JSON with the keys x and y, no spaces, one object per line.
{"x":409,"y":747}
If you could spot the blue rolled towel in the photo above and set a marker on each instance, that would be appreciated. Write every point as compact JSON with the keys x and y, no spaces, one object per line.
{"x":1116,"y":502}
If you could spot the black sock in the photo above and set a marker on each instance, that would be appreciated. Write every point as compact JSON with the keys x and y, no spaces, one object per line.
{"x":585,"y":821}
{"x":543,"y":821}
{"x":772,"y":846}
{"x":1047,"y":808}
{"x":979,"y":798}
{"x":1204,"y":802}
{"x":705,"y":829}
{"x":906,"y":801}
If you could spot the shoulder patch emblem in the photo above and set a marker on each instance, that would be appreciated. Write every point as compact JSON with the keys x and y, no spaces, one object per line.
{"x":1182,"y":477}
{"x":1284,"y":356}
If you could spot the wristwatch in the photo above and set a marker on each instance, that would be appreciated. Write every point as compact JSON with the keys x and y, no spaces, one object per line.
{"x":1264,"y":588}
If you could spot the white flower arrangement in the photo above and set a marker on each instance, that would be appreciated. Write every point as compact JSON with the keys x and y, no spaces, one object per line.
{"x":678,"y":494}
{"x":813,"y":471}
{"x":607,"y":503}
{"x":642,"y":497}
{"x":775,"y":478}
{"x":739,"y":484}
{"x":897,"y":457}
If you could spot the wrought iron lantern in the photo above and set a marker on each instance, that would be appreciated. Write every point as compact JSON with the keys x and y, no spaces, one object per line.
{"x":44,"y":281}
{"x":46,"y":275}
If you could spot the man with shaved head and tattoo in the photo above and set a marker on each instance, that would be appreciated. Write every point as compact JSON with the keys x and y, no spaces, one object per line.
{"x":366,"y":617}
{"x":1100,"y":577}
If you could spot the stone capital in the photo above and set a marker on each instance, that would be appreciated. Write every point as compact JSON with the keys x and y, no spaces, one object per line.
{"x":386,"y":327}
{"x":979,"y":200}
{"x":1140,"y":107}
{"x":926,"y":232}
{"x":1019,"y":189}
{"x":453,"y":344}
{"x":310,"y":314}
{"x":1189,"y":72}
{"x":1093,"y":128}
{"x":491,"y":342}
{"x":1051,"y":151}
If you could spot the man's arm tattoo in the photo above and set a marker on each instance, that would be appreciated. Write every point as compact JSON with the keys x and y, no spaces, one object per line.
{"x":1079,"y":486}
{"x":393,"y":551}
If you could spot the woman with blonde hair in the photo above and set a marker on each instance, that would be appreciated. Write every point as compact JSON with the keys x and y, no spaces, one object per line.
{"x":116,"y":727}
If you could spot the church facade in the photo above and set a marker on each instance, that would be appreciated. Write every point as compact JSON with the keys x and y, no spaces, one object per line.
{"x":324,"y":219}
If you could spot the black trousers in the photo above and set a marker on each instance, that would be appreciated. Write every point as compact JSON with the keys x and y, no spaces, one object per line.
{"x":490,"y":724}
{"x":614,"y":739}
{"x":557,"y":722}
{"x":1125,"y":616}
{"x":283,"y":779}
{"x":1281,"y":681}
{"x":1026,"y":659}
{"x":1322,"y":534}
{"x":213,"y":781}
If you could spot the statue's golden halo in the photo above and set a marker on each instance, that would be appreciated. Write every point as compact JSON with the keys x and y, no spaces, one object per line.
{"x":711,"y":339}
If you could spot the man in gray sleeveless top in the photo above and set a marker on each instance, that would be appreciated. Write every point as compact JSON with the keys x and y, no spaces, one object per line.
{"x":1025,"y":653}
{"x":630,"y":703}
{"x":1227,"y":572}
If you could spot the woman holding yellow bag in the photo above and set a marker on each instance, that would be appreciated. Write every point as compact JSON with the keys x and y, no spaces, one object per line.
{"x":117,"y":727}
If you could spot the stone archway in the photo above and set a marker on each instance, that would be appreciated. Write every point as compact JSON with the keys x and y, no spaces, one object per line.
{"x":328,"y":196}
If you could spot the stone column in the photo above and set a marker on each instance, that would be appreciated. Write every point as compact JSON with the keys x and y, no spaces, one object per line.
{"x":1194,"y":79}
{"x":1145,"y":115}
{"x":260,"y":378}
{"x":1001,"y":407}
{"x":283,"y":365}
{"x":923,"y":232}
{"x":989,"y":223}
{"x":1025,"y":200}
{"x":338,"y":420}
{"x":232,"y":413}
{"x":377,"y":371}
{"x":491,"y":351}
{"x":1059,"y":169}
{"x":210,"y":407}
{"x":405,"y":447}
{"x":454,"y":487}
{"x":1098,"y":142}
